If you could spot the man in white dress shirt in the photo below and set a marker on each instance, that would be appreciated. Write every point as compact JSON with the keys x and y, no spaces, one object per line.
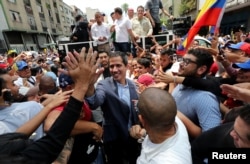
{"x":100,"y":33}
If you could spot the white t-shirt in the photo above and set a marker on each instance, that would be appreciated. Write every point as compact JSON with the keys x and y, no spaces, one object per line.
{"x":174,"y":150}
{"x":31,"y":81}
{"x":121,"y":29}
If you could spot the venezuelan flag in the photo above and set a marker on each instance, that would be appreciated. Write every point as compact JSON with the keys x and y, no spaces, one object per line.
{"x":210,"y":15}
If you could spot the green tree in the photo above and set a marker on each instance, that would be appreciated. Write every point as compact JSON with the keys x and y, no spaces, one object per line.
{"x":125,"y":7}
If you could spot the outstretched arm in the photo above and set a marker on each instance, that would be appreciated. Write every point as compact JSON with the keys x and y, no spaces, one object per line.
{"x":29,"y":127}
{"x":48,"y":147}
{"x":237,"y":91}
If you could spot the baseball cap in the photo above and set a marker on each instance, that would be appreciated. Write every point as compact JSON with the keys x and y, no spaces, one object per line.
{"x":11,"y":52}
{"x":245,"y":65}
{"x":145,"y":79}
{"x":65,"y":80}
{"x":241,"y":46}
{"x":20,"y":65}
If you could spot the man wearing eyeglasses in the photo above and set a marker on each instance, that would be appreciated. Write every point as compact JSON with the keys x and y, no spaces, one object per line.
{"x":201,"y":107}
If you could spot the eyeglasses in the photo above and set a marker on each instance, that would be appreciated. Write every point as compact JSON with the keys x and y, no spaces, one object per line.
{"x":187,"y":61}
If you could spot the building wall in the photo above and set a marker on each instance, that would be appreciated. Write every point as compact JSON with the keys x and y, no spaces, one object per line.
{"x":34,"y":23}
{"x":3,"y":26}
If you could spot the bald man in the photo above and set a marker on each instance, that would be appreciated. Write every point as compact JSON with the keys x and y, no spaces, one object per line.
{"x":47,"y":85}
{"x":167,"y":139}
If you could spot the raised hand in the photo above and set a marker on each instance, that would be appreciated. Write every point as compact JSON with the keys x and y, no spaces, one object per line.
{"x":236,"y":92}
{"x":81,"y":67}
{"x":57,"y":99}
{"x":164,"y":77}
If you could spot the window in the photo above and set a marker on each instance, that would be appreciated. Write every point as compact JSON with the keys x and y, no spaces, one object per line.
{"x":39,"y":8}
{"x":12,"y":1}
{"x":31,"y":21}
{"x":15,"y":16}
{"x":44,"y":24}
{"x":50,"y":13}
{"x":26,"y":2}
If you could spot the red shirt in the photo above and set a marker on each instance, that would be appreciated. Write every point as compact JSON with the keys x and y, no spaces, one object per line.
{"x":87,"y":114}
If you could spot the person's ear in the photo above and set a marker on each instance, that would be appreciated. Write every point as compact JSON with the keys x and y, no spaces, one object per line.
{"x":201,"y":69}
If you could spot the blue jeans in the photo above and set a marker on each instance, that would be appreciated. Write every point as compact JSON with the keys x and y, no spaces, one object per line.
{"x":122,"y":46}
{"x":100,"y":158}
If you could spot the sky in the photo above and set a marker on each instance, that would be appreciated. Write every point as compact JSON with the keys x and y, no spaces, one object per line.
{"x":106,"y":6}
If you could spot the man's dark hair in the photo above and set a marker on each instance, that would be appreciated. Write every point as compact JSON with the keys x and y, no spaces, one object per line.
{"x":118,"y":10}
{"x":120,"y":54}
{"x":78,"y":17}
{"x":144,"y":62}
{"x":232,"y":114}
{"x":140,"y":7}
{"x":54,"y":69}
{"x":244,"y":114}
{"x":169,"y":52}
{"x":2,"y":81}
{"x":99,"y":52}
{"x":247,"y":40}
{"x":203,"y":57}
{"x":112,"y":14}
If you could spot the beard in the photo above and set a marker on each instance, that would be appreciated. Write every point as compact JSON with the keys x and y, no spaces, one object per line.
{"x":184,"y":73}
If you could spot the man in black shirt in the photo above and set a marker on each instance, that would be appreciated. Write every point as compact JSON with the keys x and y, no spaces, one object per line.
{"x":80,"y":33}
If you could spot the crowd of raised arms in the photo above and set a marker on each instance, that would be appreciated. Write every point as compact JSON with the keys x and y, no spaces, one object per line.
{"x":129,"y":98}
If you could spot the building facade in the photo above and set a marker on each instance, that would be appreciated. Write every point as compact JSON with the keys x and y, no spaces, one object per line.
{"x":33,"y":24}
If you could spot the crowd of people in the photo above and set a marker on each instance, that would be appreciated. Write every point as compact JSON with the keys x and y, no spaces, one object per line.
{"x":123,"y":104}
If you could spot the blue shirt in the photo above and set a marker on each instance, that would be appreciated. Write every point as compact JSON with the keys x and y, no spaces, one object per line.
{"x":201,"y":107}
{"x":15,"y":115}
{"x":123,"y":92}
